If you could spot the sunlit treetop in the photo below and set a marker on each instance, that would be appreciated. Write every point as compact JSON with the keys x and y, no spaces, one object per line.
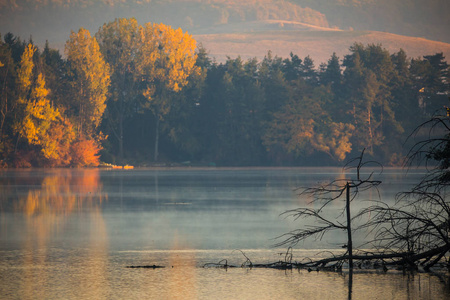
{"x":167,"y":55}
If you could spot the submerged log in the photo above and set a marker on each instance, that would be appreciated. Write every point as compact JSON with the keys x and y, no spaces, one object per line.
{"x":146,"y":267}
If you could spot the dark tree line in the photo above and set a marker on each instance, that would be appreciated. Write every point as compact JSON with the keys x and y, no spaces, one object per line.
{"x":277,"y":111}
{"x":287,"y":112}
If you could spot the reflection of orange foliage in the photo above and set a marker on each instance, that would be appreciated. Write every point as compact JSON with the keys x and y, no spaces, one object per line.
{"x":63,"y":192}
{"x":95,"y":263}
{"x":85,"y":153}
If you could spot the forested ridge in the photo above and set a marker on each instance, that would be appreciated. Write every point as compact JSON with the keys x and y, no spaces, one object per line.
{"x":144,"y":94}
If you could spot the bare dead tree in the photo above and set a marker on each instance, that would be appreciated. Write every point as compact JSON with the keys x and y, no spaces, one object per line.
{"x":418,"y":225}
{"x":329,"y":193}
{"x":414,"y":231}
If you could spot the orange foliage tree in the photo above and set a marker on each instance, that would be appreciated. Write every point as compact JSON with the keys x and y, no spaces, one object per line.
{"x":84,"y":153}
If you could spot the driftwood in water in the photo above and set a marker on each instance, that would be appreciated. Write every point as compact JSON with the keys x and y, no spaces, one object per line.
{"x":335,"y":263}
{"x":145,"y":267}
{"x":281,"y":265}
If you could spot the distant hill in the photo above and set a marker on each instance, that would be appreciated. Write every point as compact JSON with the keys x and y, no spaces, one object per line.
{"x":423,"y":18}
{"x":302,"y":39}
{"x":247,"y":27}
{"x":53,"y":19}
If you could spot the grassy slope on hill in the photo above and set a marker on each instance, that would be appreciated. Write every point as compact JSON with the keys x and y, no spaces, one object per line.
{"x":319,"y":44}
{"x":248,"y":28}
{"x":424,"y":18}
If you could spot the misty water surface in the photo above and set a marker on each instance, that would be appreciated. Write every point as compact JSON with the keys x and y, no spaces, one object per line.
{"x":71,"y":233}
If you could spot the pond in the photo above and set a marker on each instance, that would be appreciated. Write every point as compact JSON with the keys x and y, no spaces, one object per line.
{"x":71,"y":233}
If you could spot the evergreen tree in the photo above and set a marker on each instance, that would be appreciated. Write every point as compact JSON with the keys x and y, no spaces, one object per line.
{"x":332,"y":74}
{"x":7,"y":101}
{"x":369,"y":70}
{"x":292,"y":68}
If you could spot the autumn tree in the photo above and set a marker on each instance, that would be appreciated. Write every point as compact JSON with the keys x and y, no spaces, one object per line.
{"x":25,"y":72}
{"x":119,"y":44}
{"x":304,"y":126}
{"x":90,"y":81}
{"x":84,"y":153}
{"x":23,"y":87}
{"x":37,"y":121}
{"x":166,"y":58}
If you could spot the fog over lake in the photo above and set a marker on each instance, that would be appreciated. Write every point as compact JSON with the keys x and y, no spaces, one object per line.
{"x":70,"y":233}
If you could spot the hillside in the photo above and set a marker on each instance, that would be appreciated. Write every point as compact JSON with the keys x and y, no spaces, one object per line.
{"x":248,"y":27}
{"x":54,"y":19}
{"x":303,"y":40}
{"x":423,"y":18}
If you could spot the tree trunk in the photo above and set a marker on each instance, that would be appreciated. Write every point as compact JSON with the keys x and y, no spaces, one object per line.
{"x":369,"y":122}
{"x":349,"y":229}
{"x":121,"y":131}
{"x":156,"y":138}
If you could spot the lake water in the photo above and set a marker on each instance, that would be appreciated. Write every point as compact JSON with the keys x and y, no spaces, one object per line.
{"x":69,"y":234}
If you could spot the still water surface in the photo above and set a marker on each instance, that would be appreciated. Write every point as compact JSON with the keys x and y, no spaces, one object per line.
{"x":69,"y":234}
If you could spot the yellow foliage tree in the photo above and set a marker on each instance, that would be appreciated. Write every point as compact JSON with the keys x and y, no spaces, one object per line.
{"x":166,"y":59}
{"x":56,"y":147}
{"x":39,"y":114}
{"x":37,"y":121}
{"x":25,"y":72}
{"x":91,"y":80}
{"x":23,"y":82}
{"x":43,"y":126}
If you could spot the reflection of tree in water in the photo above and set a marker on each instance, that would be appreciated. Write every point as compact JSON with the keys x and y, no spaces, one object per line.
{"x":63,"y":192}
{"x":46,"y":210}
{"x":92,"y":282}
